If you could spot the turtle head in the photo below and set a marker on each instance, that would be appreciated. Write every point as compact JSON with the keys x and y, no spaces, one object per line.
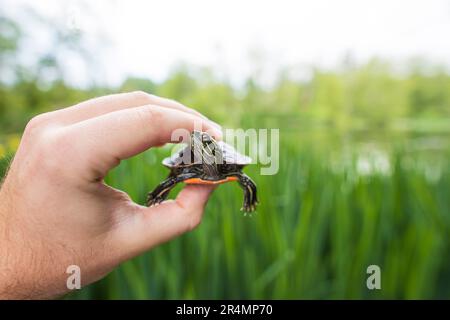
{"x":204,"y":147}
{"x":199,"y":138}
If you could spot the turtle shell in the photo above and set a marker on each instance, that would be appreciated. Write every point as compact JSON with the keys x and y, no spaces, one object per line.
{"x":184,"y":157}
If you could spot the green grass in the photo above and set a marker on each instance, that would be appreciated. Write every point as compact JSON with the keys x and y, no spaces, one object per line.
{"x":4,"y":164}
{"x":318,"y":228}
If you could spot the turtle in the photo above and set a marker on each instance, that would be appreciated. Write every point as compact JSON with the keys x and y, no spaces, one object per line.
{"x":206,"y":161}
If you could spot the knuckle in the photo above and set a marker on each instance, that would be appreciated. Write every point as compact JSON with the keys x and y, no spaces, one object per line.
{"x":141,"y":96}
{"x":60,"y":141}
{"x":54,"y":152}
{"x":37,"y":123}
{"x":148,"y":114}
{"x":194,"y":221}
{"x":38,"y":143}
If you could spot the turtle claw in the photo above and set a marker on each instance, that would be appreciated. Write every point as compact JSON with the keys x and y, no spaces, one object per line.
{"x":153,"y":202}
{"x":154,"y":198}
{"x":249,"y":207}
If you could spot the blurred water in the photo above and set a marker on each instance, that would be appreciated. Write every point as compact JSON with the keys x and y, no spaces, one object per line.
{"x":372,"y":150}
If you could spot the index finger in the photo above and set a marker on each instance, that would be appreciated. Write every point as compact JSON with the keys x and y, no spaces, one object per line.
{"x":107,"y":139}
{"x":101,"y":105}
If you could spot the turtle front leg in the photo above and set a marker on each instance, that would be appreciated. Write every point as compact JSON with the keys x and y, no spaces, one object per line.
{"x":163,"y":189}
{"x":250,"y":196}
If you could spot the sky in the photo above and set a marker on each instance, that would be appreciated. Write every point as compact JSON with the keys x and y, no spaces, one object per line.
{"x":240,"y":38}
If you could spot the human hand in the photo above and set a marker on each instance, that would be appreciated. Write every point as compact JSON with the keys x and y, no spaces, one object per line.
{"x":55,"y":209}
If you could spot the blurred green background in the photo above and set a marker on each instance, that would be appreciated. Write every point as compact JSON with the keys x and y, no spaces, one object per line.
{"x":364,"y":179}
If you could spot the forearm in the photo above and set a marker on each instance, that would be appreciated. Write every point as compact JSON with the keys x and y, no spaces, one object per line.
{"x":16,"y":265}
{"x":22,"y":269}
{"x":9,"y":272}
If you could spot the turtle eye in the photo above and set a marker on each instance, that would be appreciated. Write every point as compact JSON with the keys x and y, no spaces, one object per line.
{"x":205,"y":137}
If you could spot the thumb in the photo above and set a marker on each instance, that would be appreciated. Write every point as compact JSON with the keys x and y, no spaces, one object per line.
{"x":147,"y":227}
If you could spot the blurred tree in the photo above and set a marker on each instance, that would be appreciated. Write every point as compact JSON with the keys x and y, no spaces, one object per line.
{"x":9,"y":37}
{"x":328,"y":99}
{"x":133,"y":83}
{"x":179,"y":85}
{"x":376,"y":95}
{"x":429,"y":95}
